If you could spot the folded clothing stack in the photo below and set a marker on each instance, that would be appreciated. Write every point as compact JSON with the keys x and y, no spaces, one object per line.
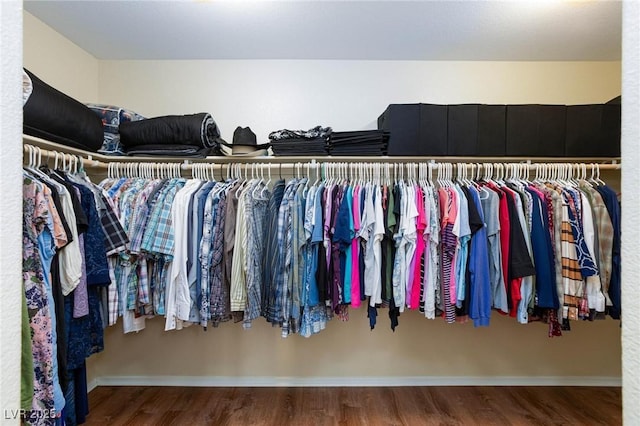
{"x":300,"y":142}
{"x":193,"y":135}
{"x":365,"y":142}
{"x":112,"y":117}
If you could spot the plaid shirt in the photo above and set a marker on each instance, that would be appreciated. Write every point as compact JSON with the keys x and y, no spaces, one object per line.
{"x":121,"y":264}
{"x":140,"y":215}
{"x":195,"y":274}
{"x":271,"y":246}
{"x":287,"y":272}
{"x":158,"y":236}
{"x":116,"y":238}
{"x":298,"y":241}
{"x":113,"y":299}
{"x":279,"y":280}
{"x":144,"y":290}
{"x":256,"y":211}
{"x":132,"y":196}
{"x":112,"y":291}
{"x":158,"y":280}
{"x":158,"y":240}
{"x":205,"y":255}
{"x":132,"y":286}
{"x":219,"y":292}
{"x":128,"y":203}
{"x":604,"y":230}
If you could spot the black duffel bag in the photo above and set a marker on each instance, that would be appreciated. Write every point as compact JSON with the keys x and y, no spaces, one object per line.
{"x":50,"y":114}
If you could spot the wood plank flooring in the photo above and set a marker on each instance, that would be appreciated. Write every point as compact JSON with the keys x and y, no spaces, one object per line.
{"x":356,"y":406}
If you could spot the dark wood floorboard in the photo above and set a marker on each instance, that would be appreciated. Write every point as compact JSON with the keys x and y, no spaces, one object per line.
{"x":411,"y":406}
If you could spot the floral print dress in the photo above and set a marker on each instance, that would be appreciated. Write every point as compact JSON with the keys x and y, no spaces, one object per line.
{"x":35,"y":217}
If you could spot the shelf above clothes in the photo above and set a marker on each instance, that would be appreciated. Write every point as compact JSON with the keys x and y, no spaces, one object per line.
{"x":95,"y":160}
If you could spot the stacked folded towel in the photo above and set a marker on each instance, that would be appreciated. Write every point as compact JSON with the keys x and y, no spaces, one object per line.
{"x":300,"y":142}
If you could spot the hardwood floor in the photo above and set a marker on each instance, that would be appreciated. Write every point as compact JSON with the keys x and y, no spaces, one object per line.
{"x":356,"y":406}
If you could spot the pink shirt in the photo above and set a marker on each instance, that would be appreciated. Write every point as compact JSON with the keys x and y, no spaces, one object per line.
{"x":355,"y":250}
{"x":451,"y":215}
{"x":421,"y":224}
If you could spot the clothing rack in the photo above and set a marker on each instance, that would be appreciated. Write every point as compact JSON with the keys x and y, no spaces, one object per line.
{"x":447,"y":167}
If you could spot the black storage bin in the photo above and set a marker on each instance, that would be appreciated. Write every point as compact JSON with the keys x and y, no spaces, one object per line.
{"x":492,"y":130}
{"x":536,"y":130}
{"x":415,"y":129}
{"x":476,"y":130}
{"x":593,"y":130}
{"x":462,"y":130}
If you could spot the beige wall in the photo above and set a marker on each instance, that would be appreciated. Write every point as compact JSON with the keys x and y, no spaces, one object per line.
{"x":347,"y":95}
{"x":418,"y":348}
{"x":58,"y":62}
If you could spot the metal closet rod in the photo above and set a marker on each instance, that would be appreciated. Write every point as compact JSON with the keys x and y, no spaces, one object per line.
{"x":283,"y":163}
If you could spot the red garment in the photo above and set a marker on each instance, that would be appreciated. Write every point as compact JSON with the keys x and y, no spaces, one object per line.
{"x":516,"y":296}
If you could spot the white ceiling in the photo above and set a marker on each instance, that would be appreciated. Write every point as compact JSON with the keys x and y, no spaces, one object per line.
{"x":542,"y":30}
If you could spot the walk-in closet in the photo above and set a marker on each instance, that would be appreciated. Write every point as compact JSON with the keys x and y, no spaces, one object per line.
{"x":479,"y":284}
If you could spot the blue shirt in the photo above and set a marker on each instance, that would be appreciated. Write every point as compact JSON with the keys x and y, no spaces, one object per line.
{"x":613,"y":207}
{"x":316,"y":239}
{"x":542,"y":248}
{"x":480,"y":303}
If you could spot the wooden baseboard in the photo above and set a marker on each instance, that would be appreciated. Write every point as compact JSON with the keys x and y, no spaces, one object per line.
{"x":199,"y":381}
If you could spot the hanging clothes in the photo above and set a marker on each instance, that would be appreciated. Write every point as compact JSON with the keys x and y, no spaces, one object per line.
{"x":68,"y":230}
{"x":299,"y":254}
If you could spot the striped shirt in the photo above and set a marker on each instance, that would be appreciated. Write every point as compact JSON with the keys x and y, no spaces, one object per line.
{"x":238,"y":290}
{"x":571,"y":273}
{"x":257,"y":213}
